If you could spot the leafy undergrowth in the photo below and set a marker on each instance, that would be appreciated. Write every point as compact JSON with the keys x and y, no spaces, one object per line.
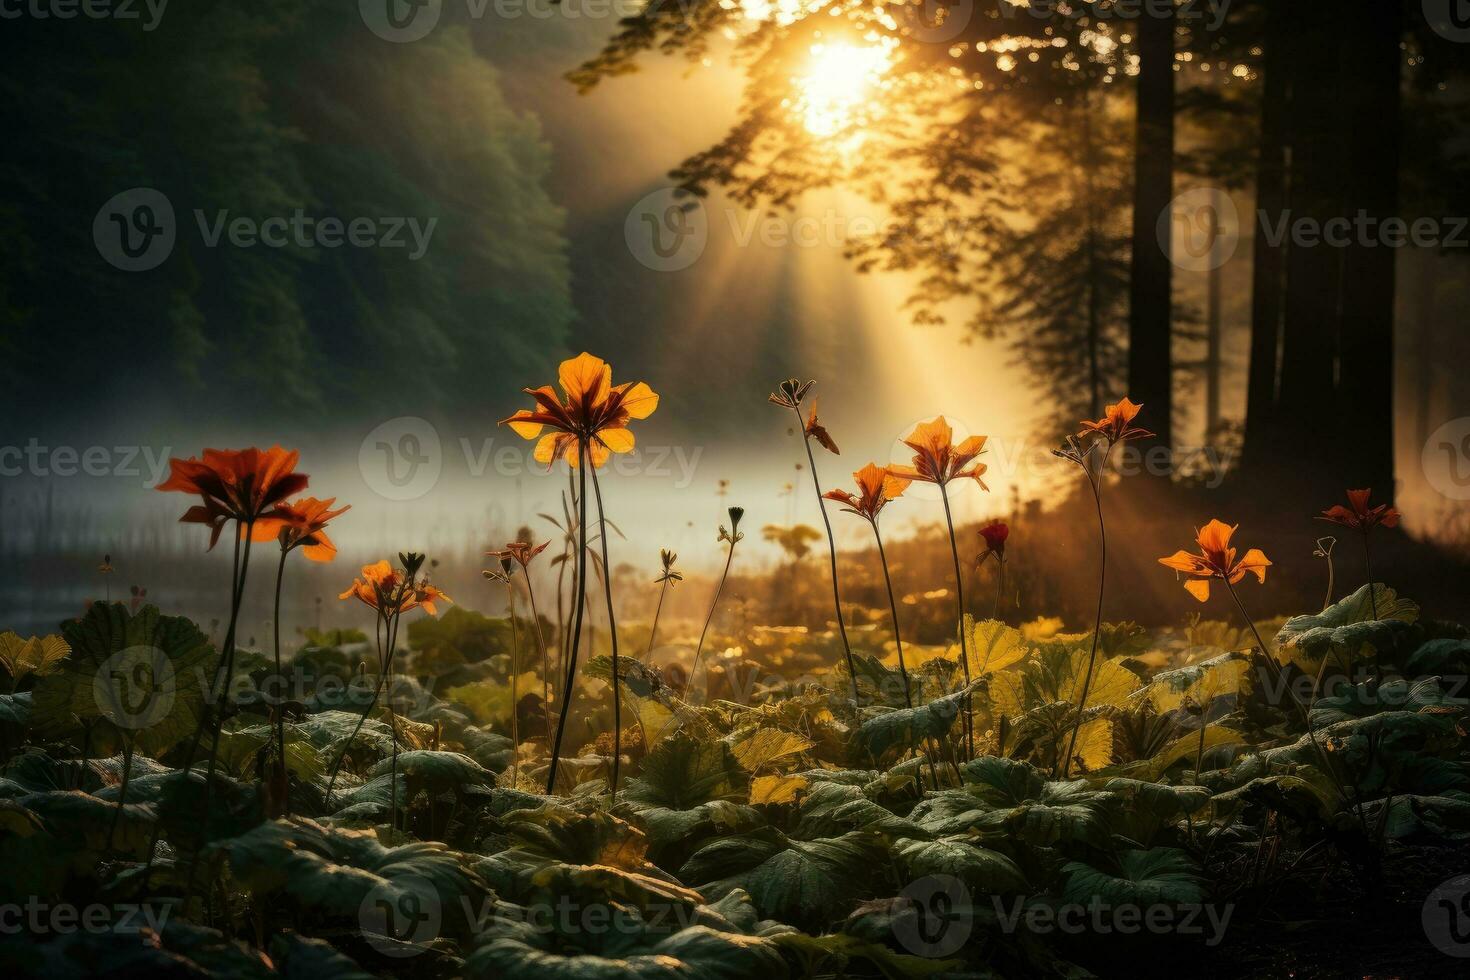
{"x":788,"y":829}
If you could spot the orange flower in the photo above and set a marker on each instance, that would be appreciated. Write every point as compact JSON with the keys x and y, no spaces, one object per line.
{"x":876,"y":486}
{"x":1117,"y":424}
{"x":1361,"y":517}
{"x":592,"y":411}
{"x":234,"y":484}
{"x":520,"y":551}
{"x":1215,"y":560}
{"x":385,"y":589}
{"x":302,"y":523}
{"x":937,"y":460}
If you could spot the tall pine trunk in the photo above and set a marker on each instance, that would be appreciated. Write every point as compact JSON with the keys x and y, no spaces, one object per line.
{"x":1365,"y":395}
{"x":1150,"y":290}
{"x":1268,"y":259}
{"x":1307,"y":403}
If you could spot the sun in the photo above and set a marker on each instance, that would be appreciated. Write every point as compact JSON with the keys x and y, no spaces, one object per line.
{"x":838,"y":83}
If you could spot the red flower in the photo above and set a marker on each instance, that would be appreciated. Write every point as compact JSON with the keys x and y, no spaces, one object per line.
{"x":1361,"y":517}
{"x":234,"y":484}
{"x":995,"y":534}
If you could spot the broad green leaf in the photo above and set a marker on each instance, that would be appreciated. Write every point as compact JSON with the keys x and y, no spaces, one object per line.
{"x":806,"y":883}
{"x":1221,"y":676}
{"x":1160,"y":876}
{"x":906,"y":728}
{"x":981,"y":869}
{"x":142,"y":677}
{"x":1348,"y":630}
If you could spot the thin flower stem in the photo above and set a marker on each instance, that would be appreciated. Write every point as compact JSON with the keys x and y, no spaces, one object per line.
{"x":280,"y":727}
{"x":1000,"y":587}
{"x":1301,"y":709}
{"x":612,"y":629}
{"x":893,"y":610}
{"x":1102,"y":578}
{"x":806,"y":441}
{"x":545,"y":655}
{"x":657,"y":611}
{"x":903,"y":670}
{"x":215,"y":719}
{"x":577,"y":607}
{"x":515,"y":666}
{"x":959,"y":589}
{"x":709,"y":617}
{"x":1368,"y":568}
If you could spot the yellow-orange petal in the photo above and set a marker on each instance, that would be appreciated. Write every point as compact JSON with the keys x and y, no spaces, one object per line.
{"x":640,"y":401}
{"x":585,"y":377}
{"x":1255,"y":562}
{"x":1214,"y":537}
{"x":524,"y":429}
{"x":322,"y":550}
{"x":551,"y":446}
{"x":1182,"y":561}
{"x":266,"y":529}
{"x":1199,"y":588}
{"x":616,"y":439}
{"x":597,"y":451}
{"x":972,"y":446}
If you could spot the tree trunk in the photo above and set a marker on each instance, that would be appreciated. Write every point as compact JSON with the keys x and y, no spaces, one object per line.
{"x":1307,"y":403}
{"x":1150,"y":358}
{"x":1268,"y":260}
{"x":1365,"y":394}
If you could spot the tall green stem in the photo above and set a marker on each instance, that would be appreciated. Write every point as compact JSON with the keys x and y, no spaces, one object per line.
{"x":280,"y":726}
{"x":577,"y":606}
{"x":657,"y":611}
{"x":959,"y":591}
{"x":811,"y":459}
{"x":709,"y":617}
{"x":515,"y":701}
{"x":1102,"y":579}
{"x":541,"y":642}
{"x":612,"y":629}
